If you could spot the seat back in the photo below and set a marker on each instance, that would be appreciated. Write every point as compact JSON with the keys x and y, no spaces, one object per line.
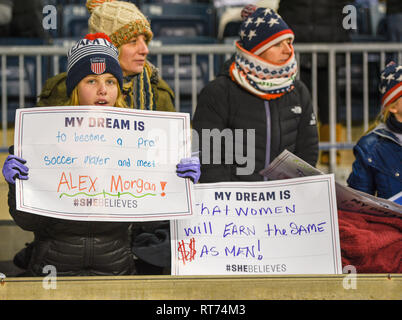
{"x":180,"y":20}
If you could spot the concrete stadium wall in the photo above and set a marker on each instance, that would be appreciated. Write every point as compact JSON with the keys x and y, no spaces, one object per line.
{"x":311,"y":287}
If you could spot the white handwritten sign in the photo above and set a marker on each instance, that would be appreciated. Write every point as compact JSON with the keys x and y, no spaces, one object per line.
{"x":103,"y":163}
{"x":278,"y":227}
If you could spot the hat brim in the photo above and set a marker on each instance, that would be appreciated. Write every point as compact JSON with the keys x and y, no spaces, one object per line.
{"x":392,"y":95}
{"x":269,"y":42}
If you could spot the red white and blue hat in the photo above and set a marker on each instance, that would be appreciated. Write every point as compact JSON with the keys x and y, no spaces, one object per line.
{"x":95,"y":54}
{"x":390,"y":84}
{"x":262,"y":28}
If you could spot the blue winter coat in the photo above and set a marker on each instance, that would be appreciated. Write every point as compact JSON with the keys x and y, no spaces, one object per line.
{"x":378,"y":164}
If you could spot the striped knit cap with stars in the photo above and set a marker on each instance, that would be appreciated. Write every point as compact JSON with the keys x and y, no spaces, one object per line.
{"x":391,"y":84}
{"x":261,"y":29}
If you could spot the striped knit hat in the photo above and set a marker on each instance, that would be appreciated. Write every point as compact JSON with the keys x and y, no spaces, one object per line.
{"x":261,"y":29}
{"x":120,"y":20}
{"x":95,"y":54}
{"x":390,"y":84}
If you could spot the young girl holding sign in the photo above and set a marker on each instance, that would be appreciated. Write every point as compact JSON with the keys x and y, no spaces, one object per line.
{"x":78,"y":247}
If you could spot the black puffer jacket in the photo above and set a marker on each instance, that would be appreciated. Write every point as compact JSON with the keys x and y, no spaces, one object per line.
{"x":223,"y":104}
{"x":75,"y":248}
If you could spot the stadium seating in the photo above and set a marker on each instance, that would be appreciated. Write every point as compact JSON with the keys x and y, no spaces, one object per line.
{"x":182,"y":23}
{"x":185,"y":66}
{"x":229,"y":24}
{"x":74,"y":21}
{"x":12,"y":76}
{"x":180,"y":20}
{"x":370,"y":20}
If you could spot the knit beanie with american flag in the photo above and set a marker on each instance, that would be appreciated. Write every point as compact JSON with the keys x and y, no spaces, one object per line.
{"x":261,"y":29}
{"x":391,"y":84}
{"x":95,"y":54}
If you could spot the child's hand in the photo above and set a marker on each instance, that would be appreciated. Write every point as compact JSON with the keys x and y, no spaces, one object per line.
{"x":14,"y":168}
{"x":189,"y":168}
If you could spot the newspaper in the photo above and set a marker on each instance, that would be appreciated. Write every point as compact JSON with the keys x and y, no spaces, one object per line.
{"x":397,"y":198}
{"x":287,"y":165}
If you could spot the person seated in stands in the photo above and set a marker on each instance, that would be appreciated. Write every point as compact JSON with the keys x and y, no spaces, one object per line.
{"x":81,"y":248}
{"x":377,"y":169}
{"x":130,"y":31}
{"x":143,"y":88}
{"x":258,"y":90}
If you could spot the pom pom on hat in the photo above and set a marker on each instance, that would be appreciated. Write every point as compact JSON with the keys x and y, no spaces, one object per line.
{"x":247,"y":11}
{"x":262,"y":29}
{"x":92,"y":4}
{"x":390,"y":84}
{"x":94,"y":54}
{"x":99,"y":35}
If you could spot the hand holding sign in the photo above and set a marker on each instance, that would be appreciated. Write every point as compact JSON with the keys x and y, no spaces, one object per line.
{"x":189,"y":168}
{"x":14,"y":168}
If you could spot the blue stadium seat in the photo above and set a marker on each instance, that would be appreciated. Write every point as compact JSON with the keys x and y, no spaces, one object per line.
{"x":180,"y":20}
{"x":185,"y":67}
{"x":13,"y":85}
{"x":229,"y":22}
{"x":74,"y":21}
{"x":370,"y":16}
{"x":12,"y":74}
{"x":12,"y":41}
{"x":140,"y":3}
{"x":68,"y":2}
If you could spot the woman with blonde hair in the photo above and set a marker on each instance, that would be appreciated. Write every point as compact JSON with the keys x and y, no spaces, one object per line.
{"x":81,"y":248}
{"x":130,"y":32}
{"x":143,"y":88}
{"x":377,"y":169}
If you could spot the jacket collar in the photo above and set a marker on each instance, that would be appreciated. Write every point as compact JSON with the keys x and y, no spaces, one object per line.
{"x":383,"y":131}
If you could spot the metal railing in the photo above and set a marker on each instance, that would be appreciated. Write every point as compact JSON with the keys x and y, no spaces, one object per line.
{"x":219,"y":52}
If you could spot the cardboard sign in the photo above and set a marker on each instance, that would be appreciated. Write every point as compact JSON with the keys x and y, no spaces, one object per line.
{"x":103,"y":163}
{"x":278,"y":227}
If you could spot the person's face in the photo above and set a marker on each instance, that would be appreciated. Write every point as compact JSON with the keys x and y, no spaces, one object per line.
{"x":278,"y":53}
{"x":396,"y":109}
{"x":132,"y":55}
{"x":98,"y":90}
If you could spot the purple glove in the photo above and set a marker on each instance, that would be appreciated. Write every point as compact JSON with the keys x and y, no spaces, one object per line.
{"x":189,"y":168}
{"x":14,"y":168}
